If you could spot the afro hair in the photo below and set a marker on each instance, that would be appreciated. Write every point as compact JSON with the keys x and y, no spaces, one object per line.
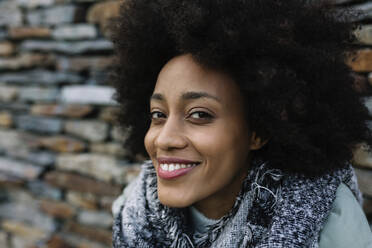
{"x":287,"y":56}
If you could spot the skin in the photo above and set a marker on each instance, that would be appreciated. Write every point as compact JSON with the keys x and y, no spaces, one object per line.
{"x":211,"y":130}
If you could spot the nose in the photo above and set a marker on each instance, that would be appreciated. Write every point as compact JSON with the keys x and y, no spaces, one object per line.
{"x":171,"y":135}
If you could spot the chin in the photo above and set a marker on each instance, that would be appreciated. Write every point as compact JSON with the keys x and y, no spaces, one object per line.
{"x":174,"y":203}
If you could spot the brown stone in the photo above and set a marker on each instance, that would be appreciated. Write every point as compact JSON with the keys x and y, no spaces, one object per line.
{"x":86,"y":200}
{"x":6,"y":119}
{"x":6,"y":48}
{"x":112,"y":148}
{"x":92,"y":233}
{"x":79,"y":183}
{"x":25,"y":61}
{"x":8,"y":93}
{"x":109,"y":114}
{"x":57,"y":209}
{"x":68,"y":110}
{"x":57,"y":241}
{"x":62,"y":144}
{"x":85,"y":63}
{"x":362,"y":61}
{"x":102,"y":13}
{"x":24,"y":230}
{"x":29,"y":32}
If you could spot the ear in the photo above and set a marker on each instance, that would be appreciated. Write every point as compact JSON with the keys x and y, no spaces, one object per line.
{"x":256,"y":142}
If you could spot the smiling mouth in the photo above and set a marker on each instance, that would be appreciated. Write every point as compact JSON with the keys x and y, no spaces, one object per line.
{"x":175,"y":170}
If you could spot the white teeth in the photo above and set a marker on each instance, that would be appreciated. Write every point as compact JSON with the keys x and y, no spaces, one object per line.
{"x":172,"y":167}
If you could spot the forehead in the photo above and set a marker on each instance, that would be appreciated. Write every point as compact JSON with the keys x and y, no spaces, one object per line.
{"x":182,"y":74}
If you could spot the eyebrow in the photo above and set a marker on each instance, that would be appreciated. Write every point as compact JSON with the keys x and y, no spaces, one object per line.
{"x":188,"y":96}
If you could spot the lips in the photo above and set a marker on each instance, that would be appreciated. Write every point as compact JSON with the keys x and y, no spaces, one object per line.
{"x":169,"y":168}
{"x":164,"y":160}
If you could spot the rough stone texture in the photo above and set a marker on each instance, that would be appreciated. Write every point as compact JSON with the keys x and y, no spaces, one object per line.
{"x":29,"y":32}
{"x":40,"y":76}
{"x":6,"y":48}
{"x":10,"y":139}
{"x":101,"y":219}
{"x":114,"y":149}
{"x":84,"y":63}
{"x":44,"y":190}
{"x":93,"y":233}
{"x":364,"y":34}
{"x":39,"y":94}
{"x":102,"y":167}
{"x":62,"y":144}
{"x":19,"y":169}
{"x":366,"y":11}
{"x":109,"y":114}
{"x":8,"y":93}
{"x":57,"y":241}
{"x":26,"y":61}
{"x":94,"y":131}
{"x":35,"y":3}
{"x":39,"y":124}
{"x":65,"y":110}
{"x":31,"y":233}
{"x":102,"y":13}
{"x":6,"y":119}
{"x":87,"y":200}
{"x":77,"y":241}
{"x":362,"y":61}
{"x":4,"y":239}
{"x":364,"y":181}
{"x":75,"y":32}
{"x":92,"y":95}
{"x":71,"y":181}
{"x":57,"y":209}
{"x":72,"y":48}
{"x":10,"y":14}
{"x":41,"y":158}
{"x":119,"y":134}
{"x":55,"y":15}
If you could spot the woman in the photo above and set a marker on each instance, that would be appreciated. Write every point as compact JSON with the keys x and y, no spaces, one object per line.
{"x":249,"y":118}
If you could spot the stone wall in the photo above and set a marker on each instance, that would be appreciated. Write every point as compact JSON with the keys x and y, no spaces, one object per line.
{"x":61,"y":159}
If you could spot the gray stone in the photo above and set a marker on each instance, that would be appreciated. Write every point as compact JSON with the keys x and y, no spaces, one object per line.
{"x":84,"y":63}
{"x":102,"y":167}
{"x":41,"y":189}
{"x":118,"y":134}
{"x":365,"y":10}
{"x":95,"y":218}
{"x":38,"y":94}
{"x":4,"y":239}
{"x":8,"y":93}
{"x":112,"y":148}
{"x":27,"y":212}
{"x":10,"y":140}
{"x":10,"y":14}
{"x":88,"y":94}
{"x":94,"y":131}
{"x":55,"y":15}
{"x":42,"y":158}
{"x":40,"y":76}
{"x":15,"y":107}
{"x":30,"y":4}
{"x":75,"y":32}
{"x":98,"y":77}
{"x":39,"y":124}
{"x":67,"y":47}
{"x":364,"y":34}
{"x":19,"y":169}
{"x":76,"y":240}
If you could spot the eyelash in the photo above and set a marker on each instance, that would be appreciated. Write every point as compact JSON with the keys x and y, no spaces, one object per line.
{"x":207,"y":117}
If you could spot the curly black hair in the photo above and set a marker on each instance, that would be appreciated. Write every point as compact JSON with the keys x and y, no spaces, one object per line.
{"x":287,"y":56}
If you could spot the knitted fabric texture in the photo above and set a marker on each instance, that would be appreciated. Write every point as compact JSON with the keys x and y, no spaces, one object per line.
{"x":272,"y":210}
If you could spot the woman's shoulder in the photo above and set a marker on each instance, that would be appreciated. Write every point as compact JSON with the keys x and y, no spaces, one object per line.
{"x":346,"y":225}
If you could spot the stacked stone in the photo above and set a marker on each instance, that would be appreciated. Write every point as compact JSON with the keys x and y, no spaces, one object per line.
{"x":61,"y":159}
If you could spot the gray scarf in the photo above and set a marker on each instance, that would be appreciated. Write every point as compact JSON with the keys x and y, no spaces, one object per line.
{"x":271,"y":210}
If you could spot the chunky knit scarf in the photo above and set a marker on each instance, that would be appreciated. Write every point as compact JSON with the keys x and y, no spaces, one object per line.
{"x":271,"y":210}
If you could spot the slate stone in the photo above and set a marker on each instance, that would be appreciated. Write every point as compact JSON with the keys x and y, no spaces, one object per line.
{"x":6,"y":119}
{"x":62,"y":144}
{"x":43,"y":190}
{"x":91,"y":233}
{"x":94,"y":131}
{"x":82,"y":200}
{"x":26,"y":61}
{"x":75,"y":32}
{"x":365,"y":10}
{"x":10,"y":14}
{"x":88,"y":94}
{"x":40,"y":76}
{"x":30,"y":4}
{"x":95,"y":218}
{"x":39,"y":94}
{"x":76,"y":240}
{"x":42,"y":158}
{"x":111,"y":148}
{"x":67,"y":47}
{"x":84,"y":63}
{"x":29,"y":32}
{"x":6,"y":48}
{"x":8,"y":93}
{"x":57,"y":209}
{"x":118,"y":134}
{"x":39,"y":124}
{"x":364,"y":34}
{"x":3,"y":239}
{"x":15,"y":107}
{"x":56,"y":15}
{"x":66,"y":110}
{"x":19,"y":169}
{"x":109,"y":114}
{"x":31,"y":234}
{"x":10,"y":140}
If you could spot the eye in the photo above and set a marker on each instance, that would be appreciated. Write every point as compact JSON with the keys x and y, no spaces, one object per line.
{"x":200,"y":116}
{"x":155,"y":115}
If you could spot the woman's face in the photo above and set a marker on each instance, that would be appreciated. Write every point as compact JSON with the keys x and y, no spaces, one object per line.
{"x":197,"y":118}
